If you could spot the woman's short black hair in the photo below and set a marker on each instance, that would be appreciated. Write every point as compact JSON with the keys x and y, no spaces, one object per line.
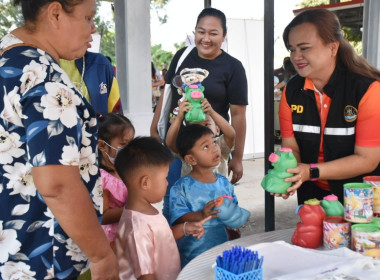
{"x":214,"y":13}
{"x":31,"y":8}
{"x":187,"y":137}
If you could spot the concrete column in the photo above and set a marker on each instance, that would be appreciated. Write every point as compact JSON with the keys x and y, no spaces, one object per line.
{"x":371,"y":29}
{"x":133,"y":56}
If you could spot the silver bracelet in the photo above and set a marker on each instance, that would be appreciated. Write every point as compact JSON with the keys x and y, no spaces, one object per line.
{"x":184,"y":229}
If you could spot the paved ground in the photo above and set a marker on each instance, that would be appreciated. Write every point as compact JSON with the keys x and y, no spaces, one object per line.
{"x":251,"y":197}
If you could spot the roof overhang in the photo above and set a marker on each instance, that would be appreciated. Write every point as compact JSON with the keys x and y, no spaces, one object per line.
{"x":350,"y":13}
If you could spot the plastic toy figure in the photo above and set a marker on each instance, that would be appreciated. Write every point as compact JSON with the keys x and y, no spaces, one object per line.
{"x":281,"y":160}
{"x":192,"y":89}
{"x":332,"y":206}
{"x":230,"y":213}
{"x":309,"y":232}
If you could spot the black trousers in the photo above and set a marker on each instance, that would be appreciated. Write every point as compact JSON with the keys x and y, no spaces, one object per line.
{"x":309,"y":190}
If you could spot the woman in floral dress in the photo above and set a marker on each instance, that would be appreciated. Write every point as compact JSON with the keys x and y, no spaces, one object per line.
{"x":50,"y":192}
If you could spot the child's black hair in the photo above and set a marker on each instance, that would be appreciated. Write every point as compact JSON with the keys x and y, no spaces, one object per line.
{"x":188,"y":135}
{"x":141,"y":152}
{"x":111,"y":125}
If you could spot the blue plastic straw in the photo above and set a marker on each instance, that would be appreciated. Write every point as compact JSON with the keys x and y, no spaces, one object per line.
{"x":239,"y":260}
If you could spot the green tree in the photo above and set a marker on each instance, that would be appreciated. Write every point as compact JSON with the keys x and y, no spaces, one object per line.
{"x":161,"y":58}
{"x":180,"y":46}
{"x":10,"y":17}
{"x":106,"y":29}
{"x":159,"y":7}
{"x":354,"y":38}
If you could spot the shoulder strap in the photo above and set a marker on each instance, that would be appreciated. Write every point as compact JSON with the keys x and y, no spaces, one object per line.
{"x":11,"y":47}
{"x":183,"y":56}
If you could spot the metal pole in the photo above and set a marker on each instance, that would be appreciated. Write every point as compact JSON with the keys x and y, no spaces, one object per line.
{"x":371,"y":29}
{"x":207,"y":3}
{"x":269,"y":103}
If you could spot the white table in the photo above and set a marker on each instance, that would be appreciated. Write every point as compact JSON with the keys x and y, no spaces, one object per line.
{"x":201,"y":266}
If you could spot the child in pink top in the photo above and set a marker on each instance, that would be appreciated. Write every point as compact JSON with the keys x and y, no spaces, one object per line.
{"x":115,"y":132}
{"x":145,"y":244}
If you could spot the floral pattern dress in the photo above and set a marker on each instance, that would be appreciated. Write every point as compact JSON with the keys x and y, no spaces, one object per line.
{"x":43,"y":121}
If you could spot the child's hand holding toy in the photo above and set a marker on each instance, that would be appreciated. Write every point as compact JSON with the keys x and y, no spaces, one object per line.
{"x":206,"y":107}
{"x":209,"y":211}
{"x":183,"y":107}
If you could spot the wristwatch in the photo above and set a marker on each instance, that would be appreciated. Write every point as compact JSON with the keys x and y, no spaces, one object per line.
{"x":314,"y":172}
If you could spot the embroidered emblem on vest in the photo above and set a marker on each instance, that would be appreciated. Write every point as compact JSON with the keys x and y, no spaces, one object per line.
{"x":102,"y":88}
{"x":350,"y":113}
{"x":297,"y":108}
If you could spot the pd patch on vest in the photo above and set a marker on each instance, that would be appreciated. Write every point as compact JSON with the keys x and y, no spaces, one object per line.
{"x":297,"y":108}
{"x":350,"y":113}
{"x":103,"y":88}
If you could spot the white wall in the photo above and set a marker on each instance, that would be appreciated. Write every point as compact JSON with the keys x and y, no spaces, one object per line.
{"x":246,"y":42}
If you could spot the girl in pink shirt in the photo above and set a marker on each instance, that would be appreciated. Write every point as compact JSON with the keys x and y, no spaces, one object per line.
{"x":115,"y":132}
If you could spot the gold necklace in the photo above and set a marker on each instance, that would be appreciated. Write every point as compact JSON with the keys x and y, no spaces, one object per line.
{"x":82,"y":75}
